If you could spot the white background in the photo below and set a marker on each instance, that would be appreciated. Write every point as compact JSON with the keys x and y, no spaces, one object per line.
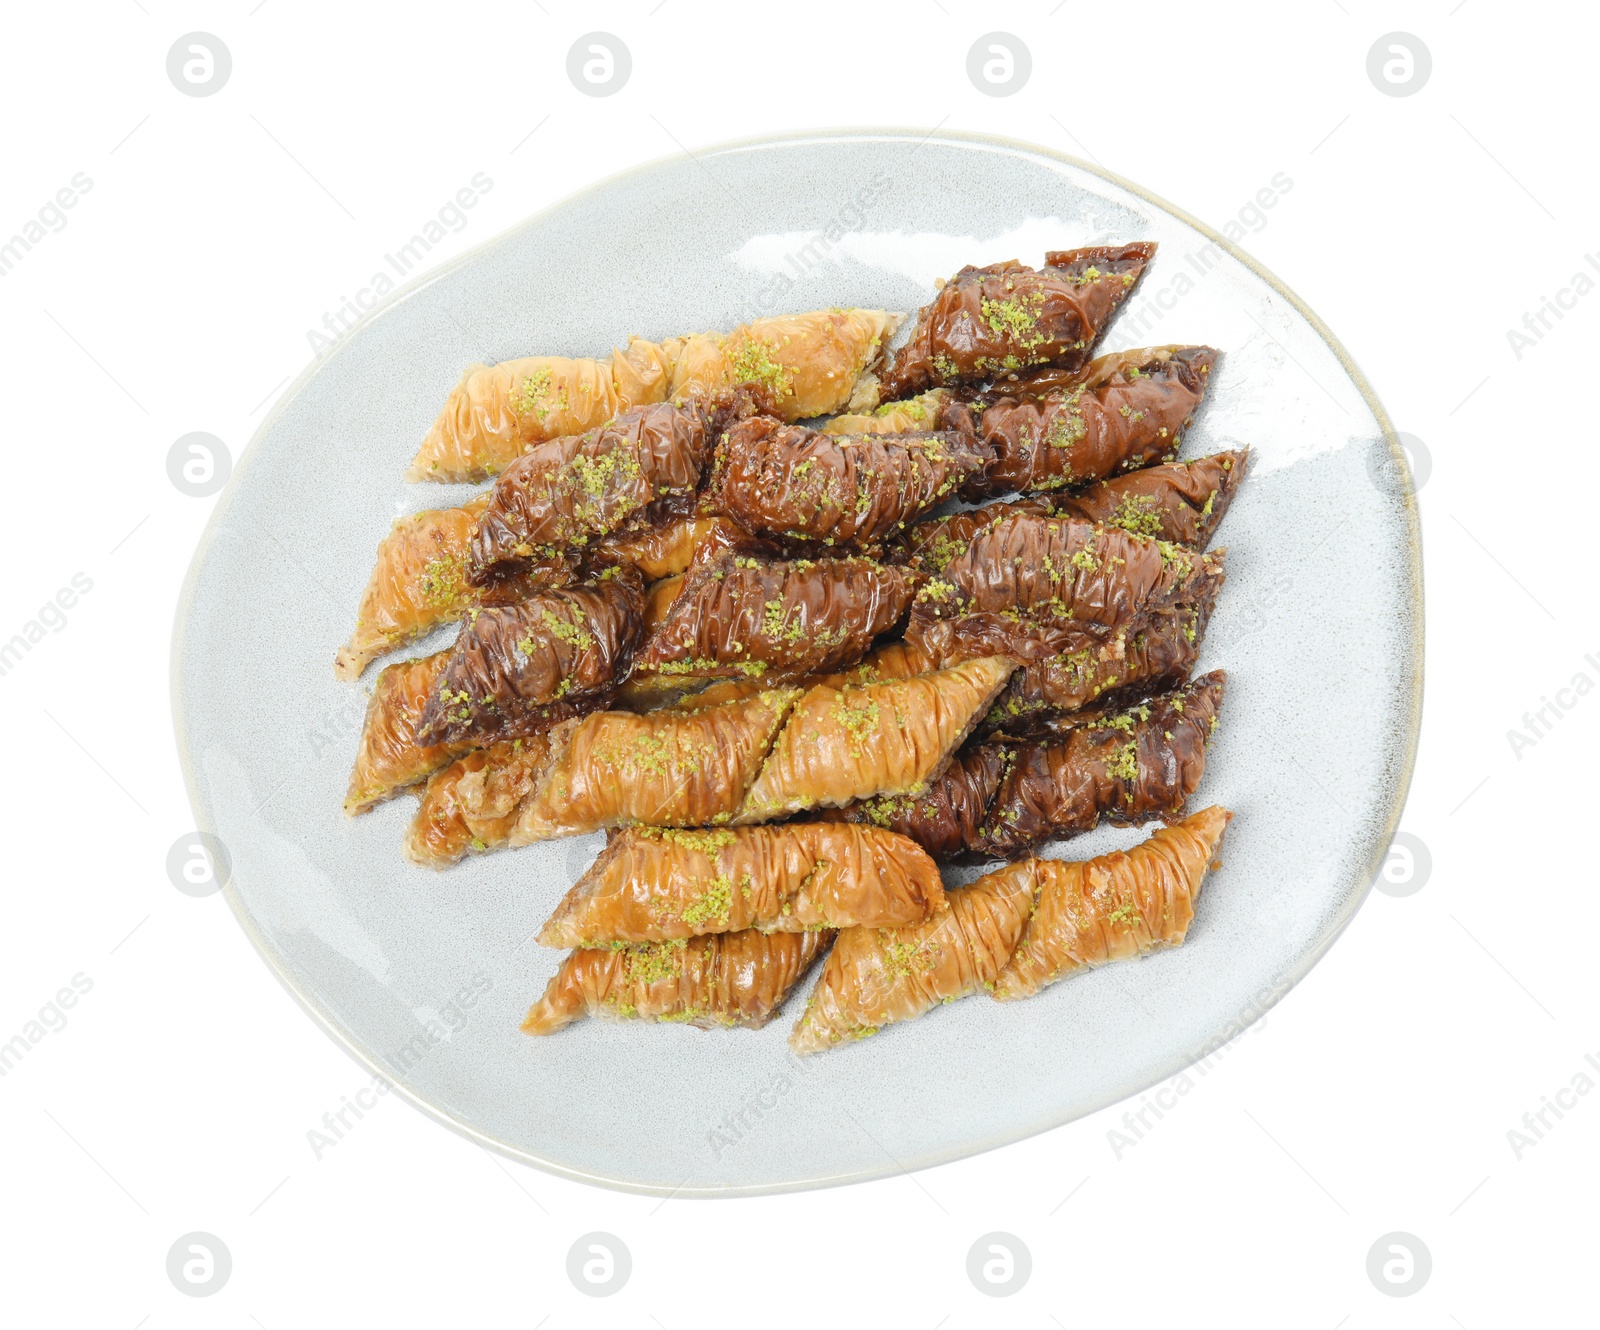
{"x":1377,"y":1097}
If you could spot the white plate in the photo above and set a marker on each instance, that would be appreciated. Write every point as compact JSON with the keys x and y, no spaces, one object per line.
{"x":1319,"y":627}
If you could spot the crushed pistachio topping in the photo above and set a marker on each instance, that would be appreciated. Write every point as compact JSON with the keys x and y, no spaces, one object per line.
{"x":902,"y":958}
{"x":697,"y":839}
{"x":533,"y":396}
{"x":571,"y":631}
{"x":1016,"y":319}
{"x":753,"y":363}
{"x":712,"y":903}
{"x":859,"y":722}
{"x":1124,"y":763}
{"x":1138,"y":515}
{"x":444,"y":582}
{"x":652,"y":962}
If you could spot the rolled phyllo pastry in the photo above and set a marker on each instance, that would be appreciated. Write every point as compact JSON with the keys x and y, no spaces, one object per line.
{"x":419,"y":582}
{"x":797,"y":365}
{"x":879,"y":976}
{"x":739,"y":614}
{"x":934,"y":542}
{"x":1014,"y":932}
{"x":1115,"y":907}
{"x":1125,"y":411}
{"x":987,"y":322}
{"x":660,"y":551}
{"x":1181,"y":502}
{"x":1129,"y":767}
{"x":1154,"y":654}
{"x":1033,"y":587}
{"x":388,"y":756}
{"x":497,"y":412}
{"x":885,"y":663}
{"x":716,"y":980}
{"x":566,"y":496}
{"x":908,"y":415}
{"x":471,"y":806}
{"x":653,"y":884}
{"x":510,"y":666}
{"x":797,"y":484}
{"x":659,"y":598}
{"x":947,"y":819}
{"x":665,"y":768}
{"x":794,"y":366}
{"x":1000,"y":800}
{"x":843,"y":744}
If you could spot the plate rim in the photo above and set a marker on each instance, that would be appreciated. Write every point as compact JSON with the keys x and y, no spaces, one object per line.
{"x":1357,"y":893}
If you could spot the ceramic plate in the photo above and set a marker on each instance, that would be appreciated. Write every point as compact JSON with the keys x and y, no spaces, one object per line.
{"x":424,"y":976}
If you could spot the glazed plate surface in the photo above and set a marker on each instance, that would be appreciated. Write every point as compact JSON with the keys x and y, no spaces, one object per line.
{"x":425,"y":976}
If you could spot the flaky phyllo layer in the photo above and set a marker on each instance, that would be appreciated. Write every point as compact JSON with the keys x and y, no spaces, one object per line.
{"x":795,"y":365}
{"x":788,"y":669}
{"x":1015,"y":932}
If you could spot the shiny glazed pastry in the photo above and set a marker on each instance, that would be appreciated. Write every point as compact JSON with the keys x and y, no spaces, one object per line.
{"x":1014,"y":932}
{"x":388,"y":757}
{"x":799,"y":364}
{"x":948,"y":818}
{"x":986,"y":322}
{"x":843,"y":744}
{"x":1128,"y":767}
{"x":793,"y":483}
{"x":510,"y":666}
{"x":419,"y":580}
{"x":718,"y":980}
{"x":1124,"y":411}
{"x":653,"y":884}
{"x":1033,"y":587}
{"x":934,"y":542}
{"x":738,"y":615}
{"x":1181,"y":502}
{"x":1154,"y":654}
{"x":659,"y":598}
{"x":471,"y":806}
{"x":922,"y":412}
{"x":658,"y":551}
{"x":568,"y":495}
{"x":1002,"y":800}
{"x":876,"y":977}
{"x":1114,"y":908}
{"x":666,"y":768}
{"x":891,"y":661}
{"x":795,"y":366}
